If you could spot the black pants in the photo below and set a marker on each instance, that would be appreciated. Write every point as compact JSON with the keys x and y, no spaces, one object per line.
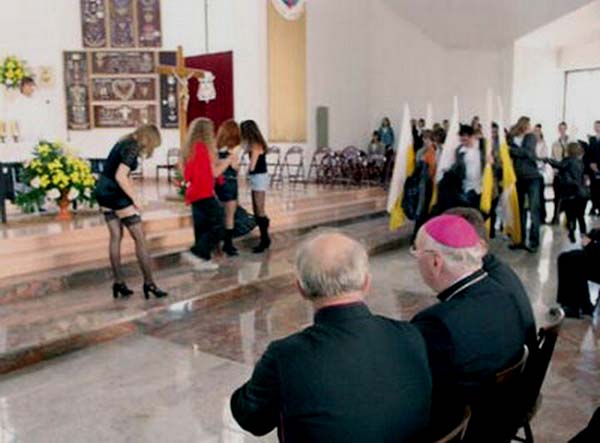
{"x":575,"y":268}
{"x":530,"y":188}
{"x":595,"y":191}
{"x":575,"y":211}
{"x":208,"y":226}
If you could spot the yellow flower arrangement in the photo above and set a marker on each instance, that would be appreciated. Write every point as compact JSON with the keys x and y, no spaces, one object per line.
{"x":12,"y":71}
{"x":53,"y":174}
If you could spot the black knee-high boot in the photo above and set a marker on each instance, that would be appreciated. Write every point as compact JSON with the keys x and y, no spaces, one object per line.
{"x":265,"y":240}
{"x":228,"y":247}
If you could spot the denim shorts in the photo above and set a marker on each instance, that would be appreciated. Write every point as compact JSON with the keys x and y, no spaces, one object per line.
{"x":260,"y":182}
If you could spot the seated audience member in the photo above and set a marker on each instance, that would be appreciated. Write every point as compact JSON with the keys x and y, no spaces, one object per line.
{"x":375,"y":146}
{"x":502,"y":274}
{"x":352,"y":376}
{"x":572,"y":190}
{"x":474,"y":332}
{"x":575,"y":268}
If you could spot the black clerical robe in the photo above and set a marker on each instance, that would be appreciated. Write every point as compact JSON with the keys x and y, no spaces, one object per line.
{"x":351,"y":377}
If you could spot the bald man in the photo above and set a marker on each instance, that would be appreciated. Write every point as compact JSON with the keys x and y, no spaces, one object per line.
{"x":352,"y":376}
{"x":474,"y":332}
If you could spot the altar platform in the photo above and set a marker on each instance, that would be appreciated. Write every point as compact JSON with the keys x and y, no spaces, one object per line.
{"x":55,"y":277}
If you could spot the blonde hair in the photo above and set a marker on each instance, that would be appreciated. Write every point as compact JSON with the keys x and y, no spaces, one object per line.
{"x":200,"y":130}
{"x":147,"y":137}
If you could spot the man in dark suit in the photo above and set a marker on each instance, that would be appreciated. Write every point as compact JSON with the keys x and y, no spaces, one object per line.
{"x":352,"y":376}
{"x":503,"y":274}
{"x":475,"y":331}
{"x":592,"y":161}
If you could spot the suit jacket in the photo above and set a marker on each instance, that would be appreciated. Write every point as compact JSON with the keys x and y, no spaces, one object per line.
{"x":524,"y":158}
{"x":474,"y":332}
{"x":505,"y":276}
{"x":592,"y":155}
{"x":351,"y":377}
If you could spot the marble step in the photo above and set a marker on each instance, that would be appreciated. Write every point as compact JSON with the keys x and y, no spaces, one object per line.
{"x":93,"y":245}
{"x":36,"y":329}
{"x":90,"y":258}
{"x":52,"y":234}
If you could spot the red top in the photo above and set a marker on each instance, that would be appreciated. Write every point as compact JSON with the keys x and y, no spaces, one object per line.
{"x":198,"y":174}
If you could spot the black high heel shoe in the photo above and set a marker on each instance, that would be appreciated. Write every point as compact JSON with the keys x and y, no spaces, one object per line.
{"x":121,"y":290}
{"x":151,"y":288}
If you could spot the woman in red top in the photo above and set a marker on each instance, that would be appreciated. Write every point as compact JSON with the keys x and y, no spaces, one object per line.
{"x":201,"y":166}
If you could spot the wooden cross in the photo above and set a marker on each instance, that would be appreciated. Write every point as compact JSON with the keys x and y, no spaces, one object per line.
{"x":182,"y":74}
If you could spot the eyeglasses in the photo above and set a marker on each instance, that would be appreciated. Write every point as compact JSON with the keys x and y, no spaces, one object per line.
{"x":418,"y":253}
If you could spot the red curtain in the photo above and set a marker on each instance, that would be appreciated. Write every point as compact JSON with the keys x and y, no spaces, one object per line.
{"x":220,"y":109}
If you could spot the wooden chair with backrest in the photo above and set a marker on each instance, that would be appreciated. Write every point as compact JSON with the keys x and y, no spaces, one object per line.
{"x":293,"y":164}
{"x":315,"y":163}
{"x":536,"y":372}
{"x":492,"y":411}
{"x":457,"y":434}
{"x":351,"y":166}
{"x":173,"y":156}
{"x":274,"y":164}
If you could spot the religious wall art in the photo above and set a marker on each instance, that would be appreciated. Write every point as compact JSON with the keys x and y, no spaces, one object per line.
{"x":124,"y":89}
{"x":122,"y":23}
{"x":119,"y":62}
{"x":76,"y":90}
{"x":123,"y":116}
{"x":93,"y":23}
{"x":169,"y":101}
{"x":289,"y":9}
{"x":44,"y":76}
{"x":12,"y":71}
{"x":148,"y":23}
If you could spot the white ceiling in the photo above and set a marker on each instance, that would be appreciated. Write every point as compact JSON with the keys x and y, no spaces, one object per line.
{"x":481,"y":24}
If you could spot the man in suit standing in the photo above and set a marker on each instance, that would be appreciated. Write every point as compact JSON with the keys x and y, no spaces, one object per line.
{"x":592,"y":161}
{"x":352,"y":376}
{"x":474,"y":332}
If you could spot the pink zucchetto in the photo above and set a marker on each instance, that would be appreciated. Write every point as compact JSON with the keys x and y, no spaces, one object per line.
{"x":452,"y":231}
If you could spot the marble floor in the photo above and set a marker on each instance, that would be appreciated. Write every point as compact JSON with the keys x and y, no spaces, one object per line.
{"x":171,"y":381}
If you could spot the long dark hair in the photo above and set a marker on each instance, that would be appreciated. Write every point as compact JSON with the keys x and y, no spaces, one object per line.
{"x":251,"y":134}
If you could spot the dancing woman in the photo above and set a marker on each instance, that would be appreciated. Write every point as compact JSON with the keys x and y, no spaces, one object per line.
{"x":259,"y":179}
{"x":228,"y":142}
{"x":119,"y":202}
{"x":201,"y":167}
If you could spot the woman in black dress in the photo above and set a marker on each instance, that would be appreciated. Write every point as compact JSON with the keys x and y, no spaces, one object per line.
{"x":120,"y":205}
{"x":228,"y":143}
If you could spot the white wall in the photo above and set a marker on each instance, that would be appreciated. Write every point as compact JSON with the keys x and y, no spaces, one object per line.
{"x":538,"y":87}
{"x":584,"y":56}
{"x":39,"y":32}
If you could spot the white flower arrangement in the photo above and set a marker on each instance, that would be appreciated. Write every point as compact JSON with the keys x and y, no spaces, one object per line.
{"x":72,"y":194}
{"x":53,"y":194}
{"x":35,"y":183}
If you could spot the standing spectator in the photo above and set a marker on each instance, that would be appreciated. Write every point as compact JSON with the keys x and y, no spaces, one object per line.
{"x":498,"y":171}
{"x":529,"y":182}
{"x":573,"y":191}
{"x":228,"y":144}
{"x":352,"y":376}
{"x":446,"y":125}
{"x":386,"y":134}
{"x":542,"y":152}
{"x":592,"y":161}
{"x":559,"y":153}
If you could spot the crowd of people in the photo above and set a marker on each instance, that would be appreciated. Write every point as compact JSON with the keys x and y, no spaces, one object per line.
{"x":209,"y":167}
{"x":569,"y":166}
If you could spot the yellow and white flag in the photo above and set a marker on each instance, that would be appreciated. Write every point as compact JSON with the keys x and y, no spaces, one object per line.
{"x":487,"y":176}
{"x":509,"y":200}
{"x":448,"y":156}
{"x":404,"y":166}
{"x":429,"y":116}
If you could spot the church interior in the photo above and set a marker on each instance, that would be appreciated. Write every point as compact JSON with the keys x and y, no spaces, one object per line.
{"x":300,"y":221}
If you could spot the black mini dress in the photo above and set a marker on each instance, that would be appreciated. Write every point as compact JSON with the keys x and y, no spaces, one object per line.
{"x":228,"y":190}
{"x":108,"y":193}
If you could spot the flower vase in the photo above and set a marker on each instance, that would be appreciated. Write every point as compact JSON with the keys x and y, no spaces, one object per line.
{"x":64,"y":209}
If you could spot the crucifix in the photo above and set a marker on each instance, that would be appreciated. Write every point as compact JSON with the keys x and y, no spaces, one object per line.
{"x":182,"y":74}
